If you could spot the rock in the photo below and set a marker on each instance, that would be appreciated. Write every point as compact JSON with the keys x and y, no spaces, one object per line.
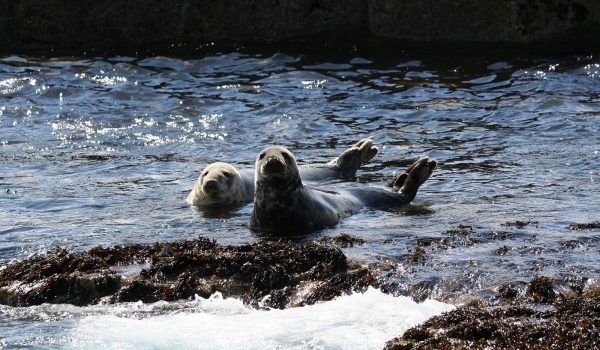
{"x":474,"y":20}
{"x":150,"y":27}
{"x":271,"y":271}
{"x":507,"y":291}
{"x":343,"y":240}
{"x":589,"y":226}
{"x":541,"y":290}
{"x":519,"y":224}
{"x":571,"y":324}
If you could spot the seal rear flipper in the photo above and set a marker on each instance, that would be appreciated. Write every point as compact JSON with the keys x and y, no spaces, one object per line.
{"x":407,"y":184}
{"x":354,"y":157}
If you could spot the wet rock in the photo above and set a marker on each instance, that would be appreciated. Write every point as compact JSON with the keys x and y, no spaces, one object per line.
{"x":519,"y":224}
{"x":508,"y":291}
{"x":433,"y":242}
{"x":501,"y":251}
{"x":421,"y":290}
{"x":416,"y":255}
{"x":329,"y":289}
{"x":589,"y":226}
{"x":343,"y":240}
{"x":460,"y":236}
{"x":262,"y":274}
{"x":541,"y":290}
{"x":571,"y":324}
{"x":497,"y":235}
{"x":570,"y":244}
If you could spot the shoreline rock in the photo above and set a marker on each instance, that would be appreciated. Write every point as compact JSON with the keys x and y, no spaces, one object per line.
{"x":570,"y":324}
{"x":190,"y":26}
{"x":540,"y":320}
{"x":266,"y":274}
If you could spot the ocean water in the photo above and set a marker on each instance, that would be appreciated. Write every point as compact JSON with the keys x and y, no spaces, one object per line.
{"x":103,"y":151}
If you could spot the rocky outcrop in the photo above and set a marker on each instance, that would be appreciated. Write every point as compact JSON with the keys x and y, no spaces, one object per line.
{"x":142,"y":25}
{"x":573,"y":324}
{"x":272,"y":274}
{"x":542,"y":319}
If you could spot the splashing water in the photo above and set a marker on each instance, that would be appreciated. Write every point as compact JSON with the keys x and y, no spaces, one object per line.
{"x":357,"y":321}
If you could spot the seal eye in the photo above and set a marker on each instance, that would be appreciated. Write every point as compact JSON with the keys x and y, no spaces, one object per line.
{"x":227,"y":174}
{"x":287,"y":157}
{"x":261,"y":156}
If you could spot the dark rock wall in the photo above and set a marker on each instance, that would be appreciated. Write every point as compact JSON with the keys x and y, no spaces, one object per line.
{"x":149,"y":24}
{"x":517,"y":21}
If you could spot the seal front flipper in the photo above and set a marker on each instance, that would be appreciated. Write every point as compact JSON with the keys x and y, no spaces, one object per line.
{"x":354,"y":157}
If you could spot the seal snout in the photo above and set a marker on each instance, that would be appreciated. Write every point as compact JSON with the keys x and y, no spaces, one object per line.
{"x":210,"y":186}
{"x":432,"y":164}
{"x":274,"y":165}
{"x":277,"y":163}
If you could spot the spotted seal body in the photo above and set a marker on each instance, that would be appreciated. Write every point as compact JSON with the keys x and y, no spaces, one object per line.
{"x":283,"y":203}
{"x":221,"y":184}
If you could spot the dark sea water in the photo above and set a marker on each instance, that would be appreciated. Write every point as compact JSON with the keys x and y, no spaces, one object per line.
{"x":104,"y":151}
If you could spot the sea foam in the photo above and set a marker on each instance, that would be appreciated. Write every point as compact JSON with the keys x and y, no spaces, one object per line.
{"x":357,"y":321}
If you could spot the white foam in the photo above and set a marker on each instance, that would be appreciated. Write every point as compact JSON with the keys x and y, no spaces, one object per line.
{"x":357,"y":321}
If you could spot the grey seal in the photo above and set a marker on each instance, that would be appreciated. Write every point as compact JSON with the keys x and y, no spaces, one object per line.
{"x":283,"y":203}
{"x":222,"y":184}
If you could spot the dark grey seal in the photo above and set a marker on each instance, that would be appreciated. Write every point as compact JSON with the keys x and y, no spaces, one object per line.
{"x":283,"y":203}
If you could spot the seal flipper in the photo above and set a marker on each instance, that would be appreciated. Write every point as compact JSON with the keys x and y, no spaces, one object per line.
{"x":354,"y":157}
{"x":407,"y":184}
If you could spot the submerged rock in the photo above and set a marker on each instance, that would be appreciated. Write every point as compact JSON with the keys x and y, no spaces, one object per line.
{"x":343,"y":240}
{"x":272,"y":274}
{"x":589,"y":226}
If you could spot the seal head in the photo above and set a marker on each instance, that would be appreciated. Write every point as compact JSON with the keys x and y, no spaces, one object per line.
{"x":276,"y":166}
{"x":219,"y":183}
{"x":278,"y":189}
